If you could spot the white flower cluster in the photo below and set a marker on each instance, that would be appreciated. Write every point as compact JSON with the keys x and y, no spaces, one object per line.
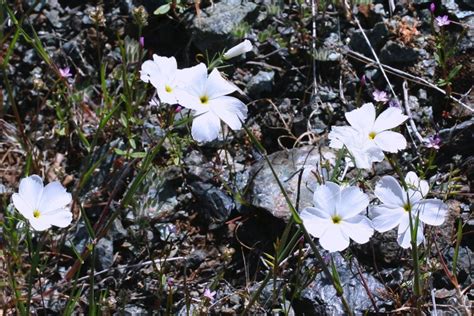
{"x":338,"y":214}
{"x":193,"y":88}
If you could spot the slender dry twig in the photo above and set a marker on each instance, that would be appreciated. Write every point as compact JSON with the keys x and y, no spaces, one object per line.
{"x":410,"y":117}
{"x":372,"y":50}
{"x":405,"y":75}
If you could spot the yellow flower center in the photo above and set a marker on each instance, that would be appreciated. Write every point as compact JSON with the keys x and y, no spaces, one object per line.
{"x":168,"y":89}
{"x":336,"y":219}
{"x":204,"y":99}
{"x":372,"y":135}
{"x":407,"y":207}
{"x":36,"y":214}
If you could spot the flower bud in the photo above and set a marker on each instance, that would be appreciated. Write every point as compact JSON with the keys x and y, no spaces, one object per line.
{"x":432,"y":7}
{"x":97,"y":16}
{"x":140,"y":16}
{"x":239,"y":49}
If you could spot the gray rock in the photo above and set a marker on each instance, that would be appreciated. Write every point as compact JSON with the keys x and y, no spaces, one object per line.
{"x":395,"y":53}
{"x":215,"y":205}
{"x":321,"y":298}
{"x":104,"y":253}
{"x":377,"y":37}
{"x":260,"y":84}
{"x":264,"y":191}
{"x":212,"y":30}
{"x":134,"y":310}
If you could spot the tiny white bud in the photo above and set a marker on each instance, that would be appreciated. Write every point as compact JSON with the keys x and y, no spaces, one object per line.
{"x":239,"y":49}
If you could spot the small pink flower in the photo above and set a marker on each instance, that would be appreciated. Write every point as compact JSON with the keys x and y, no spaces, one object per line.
{"x":141,"y":40}
{"x":380,"y":96}
{"x":363,"y":80}
{"x":178,"y":109}
{"x":432,"y":7}
{"x":65,"y":72}
{"x":442,"y":20}
{"x":209,"y":295}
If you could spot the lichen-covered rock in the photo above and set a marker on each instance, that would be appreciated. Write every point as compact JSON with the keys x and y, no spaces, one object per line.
{"x":212,"y":29}
{"x":264,"y":191}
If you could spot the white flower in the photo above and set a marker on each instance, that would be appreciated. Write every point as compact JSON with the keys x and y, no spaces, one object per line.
{"x":396,"y":203}
{"x":164,"y":75}
{"x":43,"y":206}
{"x":336,"y":216}
{"x":368,"y":136}
{"x":359,"y":146}
{"x":207,"y":97}
{"x":239,"y":49}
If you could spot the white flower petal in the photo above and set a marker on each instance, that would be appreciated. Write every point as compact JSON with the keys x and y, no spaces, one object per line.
{"x":217,"y":86}
{"x":22,"y":206}
{"x":334,"y":239}
{"x":386,"y":218}
{"x":315,"y":221}
{"x":358,"y":228}
{"x":432,"y":211}
{"x":390,"y":141}
{"x":167,"y":65}
{"x":229,"y":109}
{"x":193,"y":80}
{"x":417,"y":184}
{"x":389,"y":192}
{"x":190,"y":101}
{"x":206,"y":127}
{"x":54,"y":197}
{"x":388,"y":119}
{"x":362,"y":118}
{"x":59,"y":217}
{"x":326,"y":197}
{"x":31,"y":189}
{"x":352,"y":202}
{"x":168,"y":97}
{"x":404,"y":237}
{"x":40,"y":223}
{"x":150,"y":72}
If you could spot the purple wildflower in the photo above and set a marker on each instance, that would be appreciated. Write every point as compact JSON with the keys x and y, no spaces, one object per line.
{"x":432,"y":7}
{"x":394,"y":103}
{"x":208,"y":294}
{"x":442,"y":20}
{"x":434,"y":142}
{"x":380,"y":96}
{"x":363,"y":80}
{"x":141,"y":40}
{"x":65,"y":72}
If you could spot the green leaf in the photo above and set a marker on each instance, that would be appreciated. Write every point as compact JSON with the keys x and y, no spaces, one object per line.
{"x":162,"y":9}
{"x":120,"y":152}
{"x":138,"y":154}
{"x":453,"y":73}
